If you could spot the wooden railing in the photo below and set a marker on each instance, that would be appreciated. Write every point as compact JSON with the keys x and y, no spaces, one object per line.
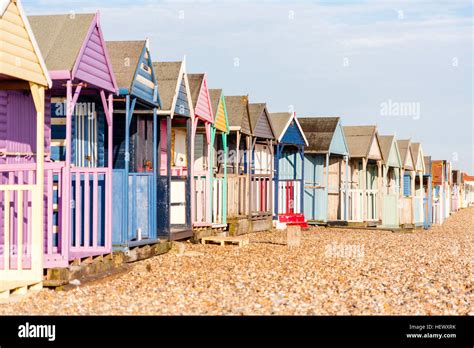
{"x":219,"y":206}
{"x":261,"y":193}
{"x":20,"y":235}
{"x":289,"y":197}
{"x":355,"y":205}
{"x":372,"y":205}
{"x":201,"y":185}
{"x":237,"y":196}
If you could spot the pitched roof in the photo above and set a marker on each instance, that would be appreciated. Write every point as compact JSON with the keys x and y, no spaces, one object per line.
{"x":237,"y":111}
{"x":403,"y":146}
{"x":21,"y":36}
{"x":279,"y":122}
{"x":385,"y":142}
{"x":359,"y":139}
{"x":121,"y":52}
{"x":415,"y":149}
{"x":427,"y":160}
{"x":319,"y":131}
{"x":195,"y":83}
{"x":260,"y":121}
{"x":167,"y":75}
{"x":255,"y":110}
{"x":215,"y":95}
{"x":60,"y":38}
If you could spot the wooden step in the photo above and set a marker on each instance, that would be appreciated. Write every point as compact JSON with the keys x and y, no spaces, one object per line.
{"x":225,"y":240}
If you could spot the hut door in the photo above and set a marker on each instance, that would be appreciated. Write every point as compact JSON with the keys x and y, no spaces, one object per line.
{"x":85,"y":135}
{"x":314,"y":191}
{"x":200,"y":153}
{"x":335,"y":183}
{"x":371,"y":192}
{"x":178,"y":147}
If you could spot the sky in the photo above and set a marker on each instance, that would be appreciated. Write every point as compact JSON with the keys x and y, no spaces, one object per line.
{"x":403,"y":65}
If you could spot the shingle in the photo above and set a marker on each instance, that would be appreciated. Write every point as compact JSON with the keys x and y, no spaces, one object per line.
{"x":167,"y":75}
{"x":60,"y":38}
{"x":125,"y":56}
{"x":279,"y":121}
{"x":195,"y":83}
{"x":359,"y":139}
{"x":319,"y":132}
{"x":237,"y":112}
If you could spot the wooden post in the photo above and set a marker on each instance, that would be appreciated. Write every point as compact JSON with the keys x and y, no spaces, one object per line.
{"x":156,"y":166}
{"x":346,"y":207}
{"x":108,"y":207}
{"x":379,"y":190}
{"x":37,"y":235}
{"x":128,"y":118}
{"x":277,"y":179}
{"x":224,"y":188}
{"x":249,"y":169}
{"x":211,"y":173}
{"x":66,"y":211}
{"x":364,"y":189}
{"x":302,"y":180}
{"x":326,"y":189}
{"x":168,"y":170}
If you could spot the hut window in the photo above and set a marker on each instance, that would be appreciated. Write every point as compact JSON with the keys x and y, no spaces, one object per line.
{"x":146,"y":68}
{"x":141,"y":144}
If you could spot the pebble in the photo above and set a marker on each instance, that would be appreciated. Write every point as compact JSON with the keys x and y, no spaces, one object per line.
{"x":420,"y":273}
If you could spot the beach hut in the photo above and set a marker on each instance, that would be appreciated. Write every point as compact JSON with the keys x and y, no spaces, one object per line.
{"x":326,"y":170}
{"x":218,"y":159}
{"x":173,"y":198}
{"x":200,"y":151}
{"x":261,"y":168}
{"x":79,"y":169}
{"x":365,"y":175}
{"x":428,"y":194}
{"x":441,"y":190}
{"x":456,"y":190}
{"x":391,"y":178}
{"x":238,"y":166}
{"x":410,"y":211}
{"x":135,"y":146}
{"x":23,"y":81}
{"x":289,"y":170}
{"x":419,"y":189}
{"x":468,"y":190}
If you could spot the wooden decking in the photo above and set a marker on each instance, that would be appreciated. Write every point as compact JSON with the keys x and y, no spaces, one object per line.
{"x":225,"y":240}
{"x":10,"y":289}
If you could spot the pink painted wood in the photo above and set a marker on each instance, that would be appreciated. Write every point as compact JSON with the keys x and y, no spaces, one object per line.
{"x":93,"y":64}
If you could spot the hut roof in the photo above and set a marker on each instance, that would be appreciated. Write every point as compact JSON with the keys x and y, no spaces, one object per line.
{"x":386,"y":145}
{"x":215,"y":95}
{"x":427,"y":160}
{"x":167,"y":75}
{"x":237,"y":112}
{"x":21,"y":36}
{"x":415,"y":149}
{"x":280,"y":121}
{"x":121,"y":51}
{"x":255,"y":111}
{"x":319,"y":131}
{"x":60,"y":38}
{"x":403,"y":146}
{"x":195,"y":83}
{"x":359,"y":139}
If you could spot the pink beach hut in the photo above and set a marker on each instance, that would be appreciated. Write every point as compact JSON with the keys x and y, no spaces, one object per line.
{"x":78,"y":168}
